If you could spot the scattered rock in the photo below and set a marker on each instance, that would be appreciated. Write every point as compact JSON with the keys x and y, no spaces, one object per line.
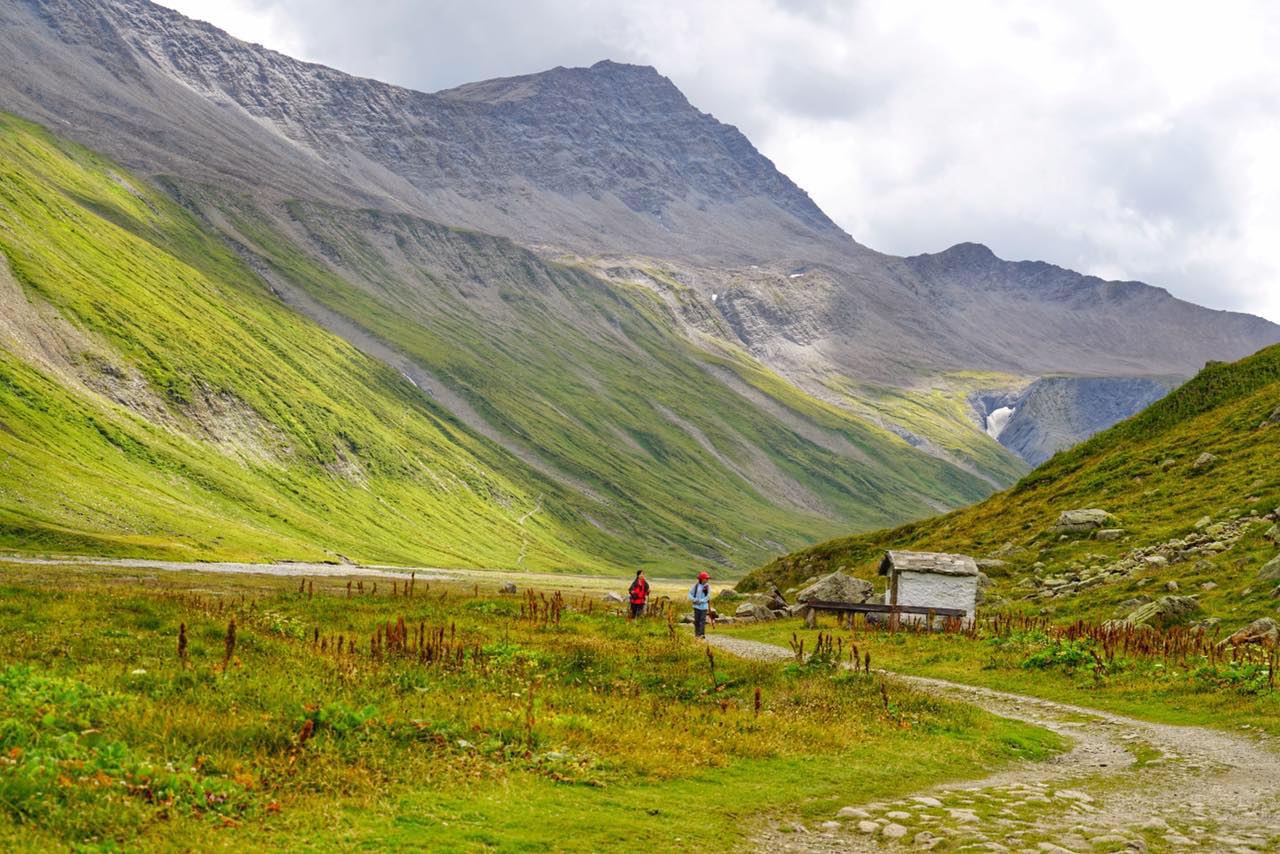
{"x":853,"y":812}
{"x":1203,"y":522}
{"x":927,"y":801}
{"x":1156,"y":560}
{"x":1209,"y":585}
{"x":728,"y":595}
{"x":1165,"y":611}
{"x":1073,"y":795}
{"x":893,"y":831}
{"x":1083,"y":521}
{"x":867,"y":826}
{"x":1271,"y":570}
{"x":1107,"y":535}
{"x":508,"y":588}
{"x":1273,"y":419}
{"x":1171,"y":586}
{"x":1264,"y":630}
{"x":991,"y":563}
{"x":898,"y":815}
{"x":925,"y":839}
{"x":1204,"y":461}
{"x":830,"y":825}
{"x":613,"y":597}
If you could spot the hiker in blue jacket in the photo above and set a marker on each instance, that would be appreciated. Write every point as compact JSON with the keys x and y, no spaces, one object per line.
{"x":700,"y":596}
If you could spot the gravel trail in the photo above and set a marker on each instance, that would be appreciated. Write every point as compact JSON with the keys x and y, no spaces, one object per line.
{"x":1126,"y":785}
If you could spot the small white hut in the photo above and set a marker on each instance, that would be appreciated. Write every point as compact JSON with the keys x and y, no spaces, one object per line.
{"x":931,"y":580}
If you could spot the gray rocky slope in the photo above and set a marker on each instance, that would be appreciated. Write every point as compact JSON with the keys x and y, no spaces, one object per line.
{"x":608,"y":167}
{"x":1053,"y":413}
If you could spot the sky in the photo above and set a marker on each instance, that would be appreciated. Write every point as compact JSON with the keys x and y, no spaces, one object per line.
{"x":1128,"y":139}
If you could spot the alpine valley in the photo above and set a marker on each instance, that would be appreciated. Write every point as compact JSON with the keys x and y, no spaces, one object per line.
{"x":258,"y":309}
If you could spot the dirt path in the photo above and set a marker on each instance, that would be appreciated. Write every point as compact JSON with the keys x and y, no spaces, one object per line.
{"x":1126,"y":785}
{"x":484,"y":577}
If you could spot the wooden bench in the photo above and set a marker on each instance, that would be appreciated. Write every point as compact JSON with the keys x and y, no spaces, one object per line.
{"x":894,"y":611}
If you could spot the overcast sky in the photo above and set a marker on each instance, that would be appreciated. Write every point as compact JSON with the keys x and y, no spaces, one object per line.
{"x":1127,"y":139}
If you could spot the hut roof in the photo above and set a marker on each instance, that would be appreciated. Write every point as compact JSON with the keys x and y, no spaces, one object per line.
{"x":935,"y":563}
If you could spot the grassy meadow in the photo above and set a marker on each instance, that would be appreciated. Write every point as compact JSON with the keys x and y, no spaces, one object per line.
{"x":1224,"y":688}
{"x":455,"y":718}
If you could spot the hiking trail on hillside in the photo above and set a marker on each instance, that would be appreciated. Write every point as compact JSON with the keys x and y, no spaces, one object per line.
{"x":1125,"y":785}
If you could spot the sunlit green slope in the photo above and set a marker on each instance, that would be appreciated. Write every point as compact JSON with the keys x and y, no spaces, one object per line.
{"x":158,"y":397}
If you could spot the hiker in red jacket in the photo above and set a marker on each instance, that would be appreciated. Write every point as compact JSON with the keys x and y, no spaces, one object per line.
{"x":639,"y":594}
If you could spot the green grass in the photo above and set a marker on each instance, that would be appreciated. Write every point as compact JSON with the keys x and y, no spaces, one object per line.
{"x":1143,"y":471}
{"x":1194,"y":692}
{"x":185,"y":411}
{"x":581,"y":734}
{"x":351,"y":459}
{"x":938,"y":411}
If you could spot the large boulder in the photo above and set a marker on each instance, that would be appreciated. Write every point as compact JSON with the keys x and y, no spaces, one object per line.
{"x":1164,"y":612}
{"x":1264,"y":630}
{"x":1084,"y":521}
{"x":754,"y":611}
{"x":836,"y":587}
{"x":1271,"y":570}
{"x":775,"y":601}
{"x":508,"y":588}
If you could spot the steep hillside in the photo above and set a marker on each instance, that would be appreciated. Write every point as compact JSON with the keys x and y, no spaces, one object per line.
{"x":155,"y":399}
{"x":606,"y":442}
{"x":1194,"y":484}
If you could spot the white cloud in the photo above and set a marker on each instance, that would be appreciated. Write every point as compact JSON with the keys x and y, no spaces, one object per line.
{"x":1133,"y":140}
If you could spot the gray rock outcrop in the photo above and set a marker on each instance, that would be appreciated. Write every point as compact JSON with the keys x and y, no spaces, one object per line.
{"x":1054,"y":413}
{"x":754,"y":611}
{"x":1264,"y":630}
{"x":1084,"y":521}
{"x":1271,"y":570}
{"x":1164,"y":612}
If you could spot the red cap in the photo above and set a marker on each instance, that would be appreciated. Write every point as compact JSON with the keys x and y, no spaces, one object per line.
{"x":702,"y":576}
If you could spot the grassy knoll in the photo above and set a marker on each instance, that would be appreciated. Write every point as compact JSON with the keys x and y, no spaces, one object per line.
{"x":1221,"y":693}
{"x":518,"y":730}
{"x":1152,"y":472}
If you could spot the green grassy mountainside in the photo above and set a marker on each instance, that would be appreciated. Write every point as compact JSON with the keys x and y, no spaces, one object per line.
{"x":1194,"y":484}
{"x":165,"y":390}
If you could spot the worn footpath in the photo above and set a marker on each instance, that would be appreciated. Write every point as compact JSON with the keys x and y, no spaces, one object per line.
{"x":1126,"y":785}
